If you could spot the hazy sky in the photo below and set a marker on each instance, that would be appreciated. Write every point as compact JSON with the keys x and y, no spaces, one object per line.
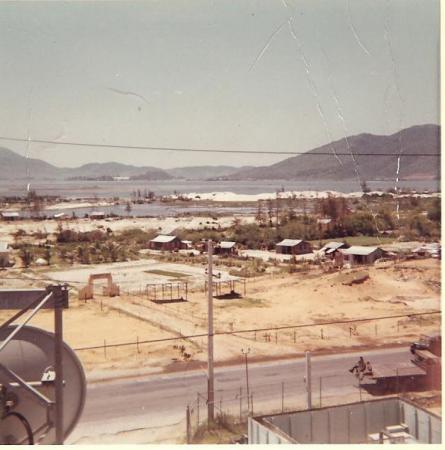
{"x":268,"y":75}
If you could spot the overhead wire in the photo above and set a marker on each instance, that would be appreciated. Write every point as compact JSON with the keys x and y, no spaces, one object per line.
{"x":205,"y":150}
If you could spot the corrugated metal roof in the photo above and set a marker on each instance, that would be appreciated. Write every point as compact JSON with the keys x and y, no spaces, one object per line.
{"x":331,"y":246}
{"x":4,"y":247}
{"x":163,"y":238}
{"x":227,"y":244}
{"x":289,"y":242}
{"x":360,"y":250}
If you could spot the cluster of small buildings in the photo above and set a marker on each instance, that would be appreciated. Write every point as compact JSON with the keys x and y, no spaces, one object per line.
{"x":166,"y":242}
{"x":338,"y":251}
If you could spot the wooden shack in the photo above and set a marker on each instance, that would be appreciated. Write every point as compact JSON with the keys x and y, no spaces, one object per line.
{"x":361,"y":255}
{"x":165,"y":242}
{"x":293,"y":247}
{"x":225,"y":248}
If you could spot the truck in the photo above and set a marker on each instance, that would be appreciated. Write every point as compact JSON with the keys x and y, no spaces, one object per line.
{"x":421,"y":372}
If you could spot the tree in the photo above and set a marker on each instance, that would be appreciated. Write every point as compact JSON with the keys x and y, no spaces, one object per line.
{"x":48,"y":254}
{"x":26,"y":256}
{"x":84,"y":255}
{"x":259,"y":217}
{"x":270,"y":211}
{"x":434,"y":212}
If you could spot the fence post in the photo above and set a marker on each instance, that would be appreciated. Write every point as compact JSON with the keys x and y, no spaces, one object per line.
{"x":321,"y":333}
{"x":240,"y":404}
{"x":282,"y":396}
{"x":276,"y":337}
{"x":251,"y":403}
{"x":188,"y":425}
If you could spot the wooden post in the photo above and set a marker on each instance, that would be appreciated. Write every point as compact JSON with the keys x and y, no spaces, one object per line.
{"x":58,"y":363}
{"x":308,"y":381}
{"x":282,"y":396}
{"x":197,"y":407}
{"x":188,"y":425}
{"x":240,"y":404}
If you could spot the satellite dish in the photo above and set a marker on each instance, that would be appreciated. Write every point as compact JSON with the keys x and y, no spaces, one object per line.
{"x":30,"y":355}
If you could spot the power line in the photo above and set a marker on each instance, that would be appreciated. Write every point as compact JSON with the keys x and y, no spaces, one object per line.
{"x":206,"y":150}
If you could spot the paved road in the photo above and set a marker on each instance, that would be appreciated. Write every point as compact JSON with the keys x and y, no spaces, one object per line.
{"x":159,"y":400}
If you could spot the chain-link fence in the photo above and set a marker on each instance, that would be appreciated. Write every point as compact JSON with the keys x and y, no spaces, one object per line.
{"x":233,"y":406}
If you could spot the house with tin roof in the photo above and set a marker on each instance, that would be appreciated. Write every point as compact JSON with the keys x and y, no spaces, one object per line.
{"x":358,"y":254}
{"x":293,"y":247}
{"x":10,"y":215}
{"x":225,"y":248}
{"x":166,"y":242}
{"x":330,"y":248}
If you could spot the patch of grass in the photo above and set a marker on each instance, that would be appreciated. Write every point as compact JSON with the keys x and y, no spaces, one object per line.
{"x":167,"y":273}
{"x":223,"y":431}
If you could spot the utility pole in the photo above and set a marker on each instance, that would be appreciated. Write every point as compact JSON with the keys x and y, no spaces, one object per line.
{"x":308,"y":380}
{"x":58,"y":363}
{"x":245,"y":353}
{"x":210,"y":375}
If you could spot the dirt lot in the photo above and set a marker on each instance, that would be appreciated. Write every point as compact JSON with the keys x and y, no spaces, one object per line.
{"x":271,"y":301}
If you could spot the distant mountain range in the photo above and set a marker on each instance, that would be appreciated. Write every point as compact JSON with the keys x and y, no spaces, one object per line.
{"x":352,"y":162}
{"x":417,"y":140}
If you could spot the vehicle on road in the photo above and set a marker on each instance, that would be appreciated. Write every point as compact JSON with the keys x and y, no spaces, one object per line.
{"x":421,"y":372}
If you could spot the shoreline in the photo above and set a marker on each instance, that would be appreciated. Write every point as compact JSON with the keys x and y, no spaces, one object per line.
{"x":197,"y":198}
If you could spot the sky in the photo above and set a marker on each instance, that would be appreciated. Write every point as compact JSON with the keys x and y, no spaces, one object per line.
{"x":275,"y":75}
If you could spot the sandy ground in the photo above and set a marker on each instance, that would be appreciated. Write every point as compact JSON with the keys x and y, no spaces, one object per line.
{"x":164,"y":225}
{"x":134,"y":276}
{"x":269,"y":255}
{"x":232,"y":197}
{"x":270,"y":301}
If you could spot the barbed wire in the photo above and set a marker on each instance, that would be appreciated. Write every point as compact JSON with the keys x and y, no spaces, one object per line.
{"x":287,"y":327}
